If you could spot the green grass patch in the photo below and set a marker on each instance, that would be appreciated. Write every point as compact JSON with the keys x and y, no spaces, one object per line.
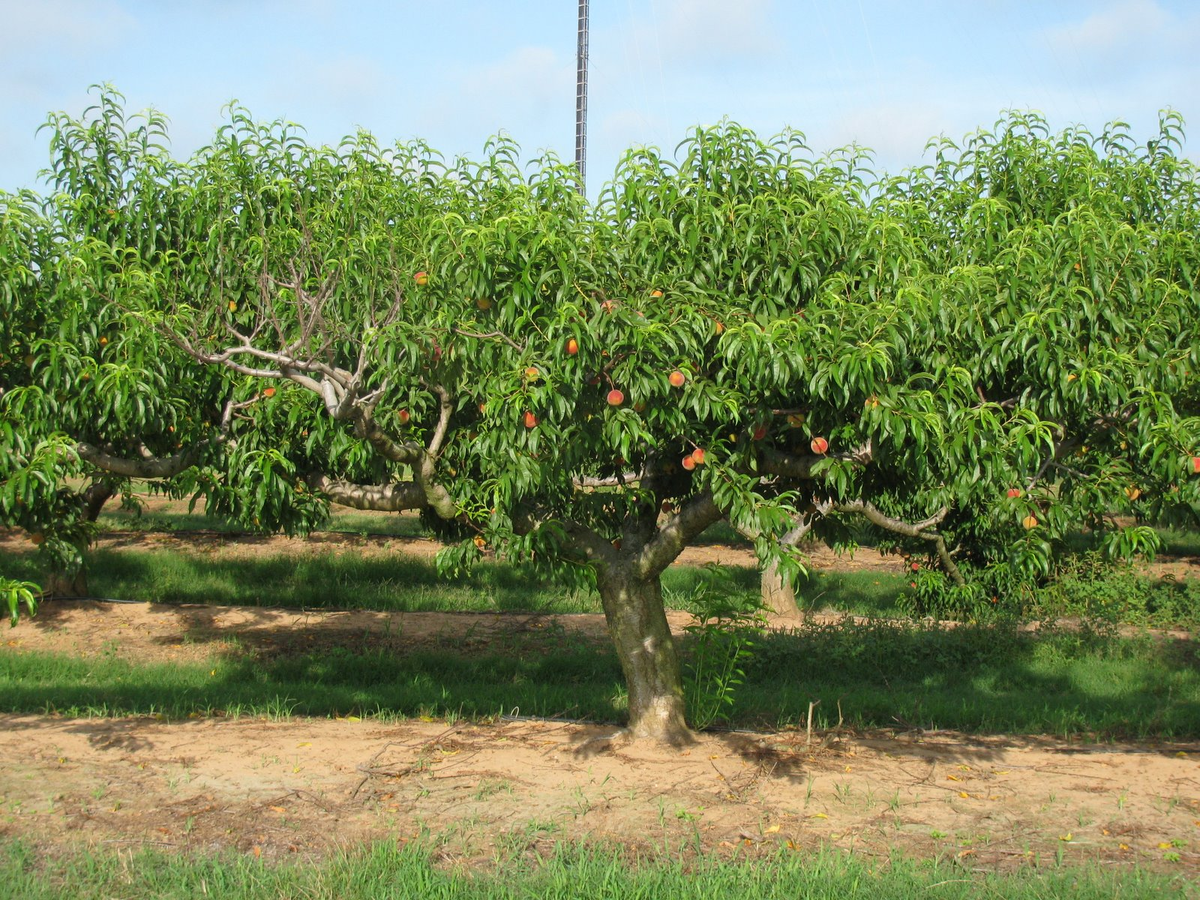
{"x":384,"y":871}
{"x":394,"y":582}
{"x":402,"y":583}
{"x":976,"y":678}
{"x":982,"y":679}
{"x":176,"y":518}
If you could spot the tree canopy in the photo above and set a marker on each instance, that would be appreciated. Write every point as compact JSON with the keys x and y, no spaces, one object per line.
{"x":969,"y":361}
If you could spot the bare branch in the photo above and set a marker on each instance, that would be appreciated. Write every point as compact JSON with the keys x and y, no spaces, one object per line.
{"x":377,"y":497}
{"x":587,"y":481}
{"x":445,"y":411}
{"x":919,"y":530}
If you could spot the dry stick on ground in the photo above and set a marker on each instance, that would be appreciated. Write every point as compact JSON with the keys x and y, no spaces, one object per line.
{"x":369,"y":769}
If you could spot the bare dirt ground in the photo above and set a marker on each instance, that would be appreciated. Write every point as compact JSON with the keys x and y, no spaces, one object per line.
{"x":308,"y":787}
{"x":302,"y":787}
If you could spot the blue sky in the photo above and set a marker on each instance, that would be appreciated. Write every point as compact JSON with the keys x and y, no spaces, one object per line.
{"x":888,"y":74}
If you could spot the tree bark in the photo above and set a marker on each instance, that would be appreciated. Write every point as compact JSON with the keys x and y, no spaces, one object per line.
{"x":778,"y":598}
{"x":61,"y":584}
{"x":637,"y":623}
{"x":94,"y":497}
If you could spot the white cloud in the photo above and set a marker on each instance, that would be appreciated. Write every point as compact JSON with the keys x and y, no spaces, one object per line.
{"x":63,"y":24}
{"x":717,"y":31}
{"x":1119,"y":25}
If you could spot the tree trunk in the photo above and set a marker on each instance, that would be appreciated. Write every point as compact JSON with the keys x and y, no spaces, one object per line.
{"x":637,"y":623}
{"x":778,"y":598}
{"x":62,"y":584}
{"x":94,"y":497}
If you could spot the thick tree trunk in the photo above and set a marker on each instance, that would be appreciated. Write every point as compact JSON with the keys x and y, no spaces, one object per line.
{"x":638,"y":625}
{"x":778,"y":598}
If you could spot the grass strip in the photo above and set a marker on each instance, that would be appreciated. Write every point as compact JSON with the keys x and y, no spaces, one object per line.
{"x":385,"y":871}
{"x":981,"y":679}
{"x":403,"y":583}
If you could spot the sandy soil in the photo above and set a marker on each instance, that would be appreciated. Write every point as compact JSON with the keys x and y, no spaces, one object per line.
{"x":310,"y":786}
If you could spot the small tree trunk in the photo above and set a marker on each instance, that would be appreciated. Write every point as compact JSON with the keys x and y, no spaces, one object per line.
{"x":637,"y":623}
{"x":94,"y":497}
{"x":61,"y":584}
{"x":778,"y":598}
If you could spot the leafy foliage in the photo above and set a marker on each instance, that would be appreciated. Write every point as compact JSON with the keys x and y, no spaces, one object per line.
{"x":968,"y":360}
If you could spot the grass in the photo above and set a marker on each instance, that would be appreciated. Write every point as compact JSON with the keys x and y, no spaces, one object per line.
{"x":983,"y":679}
{"x":403,"y":583}
{"x":176,"y":518}
{"x":976,"y":678}
{"x":384,"y":871}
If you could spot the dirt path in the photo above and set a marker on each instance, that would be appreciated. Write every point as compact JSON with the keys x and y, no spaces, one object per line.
{"x":309,"y":786}
{"x":369,"y":545}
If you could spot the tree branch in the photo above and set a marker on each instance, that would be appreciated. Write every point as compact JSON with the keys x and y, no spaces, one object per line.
{"x":776,"y":462}
{"x":918,"y":530}
{"x":376,"y":497}
{"x":147,"y":465}
{"x":677,"y":532}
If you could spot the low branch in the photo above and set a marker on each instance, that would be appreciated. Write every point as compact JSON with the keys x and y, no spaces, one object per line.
{"x":147,"y":465}
{"x":909,"y":529}
{"x":375,"y":497}
{"x":142,"y":467}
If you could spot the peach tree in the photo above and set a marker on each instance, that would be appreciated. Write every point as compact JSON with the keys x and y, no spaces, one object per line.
{"x":90,"y":399}
{"x":968,"y":361}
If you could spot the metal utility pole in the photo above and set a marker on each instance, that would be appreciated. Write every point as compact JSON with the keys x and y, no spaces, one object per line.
{"x":581,"y":92}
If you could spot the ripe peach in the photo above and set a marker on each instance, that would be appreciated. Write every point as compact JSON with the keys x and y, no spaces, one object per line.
{"x":819,"y":445}
{"x":421,"y":278}
{"x":530,"y":419}
{"x":677,"y":378}
{"x":760,"y":432}
{"x":688,"y":462}
{"x":1013,"y":493}
{"x":403,"y":416}
{"x":698,"y":456}
{"x":1029,"y":522}
{"x":572,"y":346}
{"x":615,"y":397}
